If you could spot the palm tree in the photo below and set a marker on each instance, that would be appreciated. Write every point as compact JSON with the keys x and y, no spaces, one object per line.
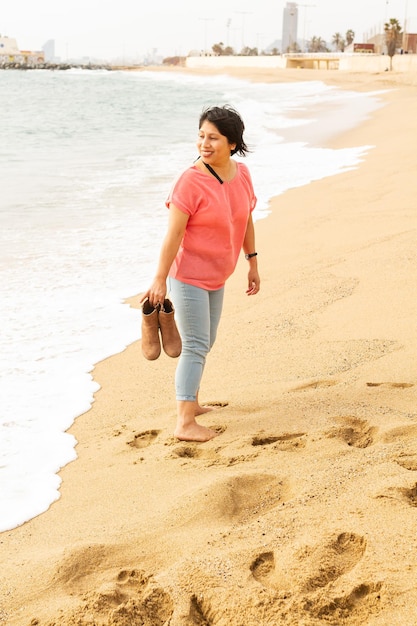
{"x":338,"y":42}
{"x":392,"y":38}
{"x":248,"y":52}
{"x":350,"y":36}
{"x":220,"y":50}
{"x":317,"y":44}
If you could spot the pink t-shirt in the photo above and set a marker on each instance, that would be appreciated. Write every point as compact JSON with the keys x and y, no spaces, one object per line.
{"x":216,"y":227}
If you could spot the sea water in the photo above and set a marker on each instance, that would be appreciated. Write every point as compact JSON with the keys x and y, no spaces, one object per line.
{"x":86,"y":162}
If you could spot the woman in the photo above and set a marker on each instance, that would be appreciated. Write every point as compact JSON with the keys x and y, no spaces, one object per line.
{"x":210,"y":221}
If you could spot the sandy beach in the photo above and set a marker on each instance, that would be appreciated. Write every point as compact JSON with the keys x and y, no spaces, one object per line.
{"x":303,"y":511}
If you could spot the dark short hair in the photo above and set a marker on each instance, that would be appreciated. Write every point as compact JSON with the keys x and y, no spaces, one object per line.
{"x":229,"y":123}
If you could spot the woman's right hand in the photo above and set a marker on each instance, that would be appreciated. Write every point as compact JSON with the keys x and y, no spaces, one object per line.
{"x":156,"y":292}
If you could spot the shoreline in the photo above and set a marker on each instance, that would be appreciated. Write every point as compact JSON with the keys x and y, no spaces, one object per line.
{"x":314,"y":473}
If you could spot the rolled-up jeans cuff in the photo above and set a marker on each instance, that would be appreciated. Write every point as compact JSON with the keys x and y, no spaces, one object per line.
{"x":186,"y":398}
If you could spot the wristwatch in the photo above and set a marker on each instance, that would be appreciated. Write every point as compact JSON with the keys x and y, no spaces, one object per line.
{"x":249,"y":256}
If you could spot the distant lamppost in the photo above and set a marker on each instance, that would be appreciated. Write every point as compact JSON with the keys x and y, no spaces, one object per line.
{"x":243,"y":13}
{"x":205,"y":20}
{"x":383,"y":38}
{"x":305,"y":6}
{"x":405,"y":35}
{"x":228,"y":24}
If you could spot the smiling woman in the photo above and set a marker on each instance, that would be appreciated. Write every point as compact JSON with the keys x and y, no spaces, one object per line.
{"x":208,"y":226}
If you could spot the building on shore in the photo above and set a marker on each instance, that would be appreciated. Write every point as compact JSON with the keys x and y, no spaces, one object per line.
{"x":410,"y":43}
{"x":10,"y":53}
{"x":49,"y":51}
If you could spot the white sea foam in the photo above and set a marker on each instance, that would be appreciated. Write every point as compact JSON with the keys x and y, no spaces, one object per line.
{"x":87,"y":159}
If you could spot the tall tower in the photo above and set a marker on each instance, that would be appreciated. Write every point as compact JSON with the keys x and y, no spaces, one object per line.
{"x":289,"y":27}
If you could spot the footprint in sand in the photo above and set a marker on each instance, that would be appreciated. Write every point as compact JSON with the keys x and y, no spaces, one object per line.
{"x":263,"y":568}
{"x":353,"y":431}
{"x":129,"y":594}
{"x":315,"y":571}
{"x":332,"y":559}
{"x":391,"y":385}
{"x":216,"y":404}
{"x":405,"y":437}
{"x":187,"y":452}
{"x":282,"y":442}
{"x":407,"y":461}
{"x":143,"y":439}
{"x":285,"y":441}
{"x":401,"y":434}
{"x":132,"y":597}
{"x":317,"y":384}
{"x":410,"y":495}
{"x":407,"y":495}
{"x":132,"y":577}
{"x":353,"y":607}
{"x":312,"y":568}
{"x":200,"y":614}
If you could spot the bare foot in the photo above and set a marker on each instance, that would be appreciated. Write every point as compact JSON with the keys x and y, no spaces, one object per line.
{"x":200,"y":410}
{"x":194,"y":432}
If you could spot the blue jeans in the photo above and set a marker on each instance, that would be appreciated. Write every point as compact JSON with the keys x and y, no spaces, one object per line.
{"x":197,"y":313}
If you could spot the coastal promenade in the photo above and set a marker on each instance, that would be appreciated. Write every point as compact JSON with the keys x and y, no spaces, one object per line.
{"x":368,"y":63}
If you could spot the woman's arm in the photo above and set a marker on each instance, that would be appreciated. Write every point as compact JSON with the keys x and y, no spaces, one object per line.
{"x":254,"y":282}
{"x":176,"y":228}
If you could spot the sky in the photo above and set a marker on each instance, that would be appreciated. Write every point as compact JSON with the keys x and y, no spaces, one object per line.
{"x":130,"y":29}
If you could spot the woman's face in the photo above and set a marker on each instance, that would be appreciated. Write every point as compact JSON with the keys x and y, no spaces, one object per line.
{"x":213,"y":147}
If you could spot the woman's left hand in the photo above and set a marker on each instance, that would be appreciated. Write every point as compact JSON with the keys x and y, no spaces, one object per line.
{"x":254,"y":282}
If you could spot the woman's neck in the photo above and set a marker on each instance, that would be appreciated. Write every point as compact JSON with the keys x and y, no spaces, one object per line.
{"x":225,"y":171}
